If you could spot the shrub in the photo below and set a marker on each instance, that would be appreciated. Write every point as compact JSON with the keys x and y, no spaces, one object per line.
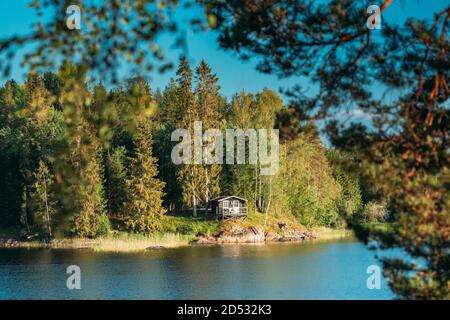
{"x":103,"y":226}
{"x":373,"y":212}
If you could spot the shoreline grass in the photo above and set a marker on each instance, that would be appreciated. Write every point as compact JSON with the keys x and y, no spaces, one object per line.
{"x":325,"y":234}
{"x":121,"y":242}
{"x":133,"y":243}
{"x":181,"y":232}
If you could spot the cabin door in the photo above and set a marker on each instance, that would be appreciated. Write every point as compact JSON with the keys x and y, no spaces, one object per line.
{"x":235,"y":207}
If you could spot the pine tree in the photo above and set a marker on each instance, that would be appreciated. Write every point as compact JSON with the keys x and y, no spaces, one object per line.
{"x":116,"y":176}
{"x":11,"y":145}
{"x":169,"y":116}
{"x":208,"y":104}
{"x":43,"y":198}
{"x":38,"y":100}
{"x":189,"y":175}
{"x":91,"y":220}
{"x":145,"y":189}
{"x":169,"y":107}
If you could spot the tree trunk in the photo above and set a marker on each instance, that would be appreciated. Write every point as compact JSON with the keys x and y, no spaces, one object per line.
{"x":270,"y":200}
{"x":260,"y":190}
{"x":256,"y":188}
{"x":194,"y":205}
{"x":47,"y":210}
{"x":25,"y":208}
{"x":207,"y":189}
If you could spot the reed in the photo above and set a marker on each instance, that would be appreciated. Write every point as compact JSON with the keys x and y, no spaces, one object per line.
{"x":323,"y":233}
{"x":133,"y":243}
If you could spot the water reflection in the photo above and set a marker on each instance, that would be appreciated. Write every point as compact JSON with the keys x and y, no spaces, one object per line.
{"x":325,"y":270}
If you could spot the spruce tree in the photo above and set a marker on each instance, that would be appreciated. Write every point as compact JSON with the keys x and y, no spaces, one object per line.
{"x":190,"y":175}
{"x":91,"y":220}
{"x":208,"y":104}
{"x":44,"y":198}
{"x":169,"y":116}
{"x":116,"y":176}
{"x":145,"y":193}
{"x":169,"y":107}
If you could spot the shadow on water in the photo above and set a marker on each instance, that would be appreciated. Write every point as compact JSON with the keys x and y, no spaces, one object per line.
{"x":311,"y":270}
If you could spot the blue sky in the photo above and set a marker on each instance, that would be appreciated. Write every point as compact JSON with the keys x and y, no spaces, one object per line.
{"x":234,"y":75}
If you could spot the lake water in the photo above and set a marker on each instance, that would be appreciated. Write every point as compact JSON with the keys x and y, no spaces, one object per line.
{"x":313,"y":270}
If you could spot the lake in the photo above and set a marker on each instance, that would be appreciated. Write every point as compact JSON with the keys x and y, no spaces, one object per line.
{"x":311,"y":270}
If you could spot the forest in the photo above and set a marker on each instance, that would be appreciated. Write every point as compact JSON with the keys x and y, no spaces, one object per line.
{"x":79,"y":160}
{"x":82,"y":158}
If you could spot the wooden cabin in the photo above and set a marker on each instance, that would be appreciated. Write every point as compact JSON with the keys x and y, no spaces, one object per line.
{"x":228,"y":207}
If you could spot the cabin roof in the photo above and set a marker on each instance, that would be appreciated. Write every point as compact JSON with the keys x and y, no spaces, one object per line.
{"x":221,"y":198}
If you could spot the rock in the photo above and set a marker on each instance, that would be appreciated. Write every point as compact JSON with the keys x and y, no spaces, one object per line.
{"x":282,"y":226}
{"x":206,"y":240}
{"x":296,"y":235}
{"x":289,"y":239}
{"x":273,"y":236}
{"x":9,"y":243}
{"x":154,"y":248}
{"x":235,"y":233}
{"x":200,"y":235}
{"x":243,"y":235}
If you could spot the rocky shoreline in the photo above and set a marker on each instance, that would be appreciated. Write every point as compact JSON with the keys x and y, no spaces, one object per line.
{"x":10,"y":243}
{"x":56,"y":244}
{"x":230,"y":233}
{"x":238,"y":234}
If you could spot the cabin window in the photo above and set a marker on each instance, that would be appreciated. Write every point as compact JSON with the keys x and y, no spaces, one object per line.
{"x":225,"y":204}
{"x":236,"y":204}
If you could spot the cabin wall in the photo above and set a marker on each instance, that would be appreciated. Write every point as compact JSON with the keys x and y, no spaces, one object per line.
{"x":217,"y":207}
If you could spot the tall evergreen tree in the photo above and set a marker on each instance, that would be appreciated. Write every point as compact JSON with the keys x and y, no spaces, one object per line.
{"x":208,"y":105}
{"x":44,"y":198}
{"x":91,"y":219}
{"x":169,"y":110}
{"x":189,"y":175}
{"x":116,"y":176}
{"x":144,"y":204}
{"x":169,"y":116}
{"x":12,"y":141}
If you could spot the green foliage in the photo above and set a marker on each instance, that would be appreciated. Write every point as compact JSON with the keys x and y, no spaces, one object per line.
{"x":169,"y":111}
{"x":189,"y":176}
{"x":249,"y":111}
{"x":91,"y":219}
{"x":208,"y":104}
{"x":115,"y":184}
{"x":305,"y":186}
{"x":404,"y":159}
{"x":44,"y":200}
{"x":144,"y":203}
{"x":109,"y":159}
{"x":349,"y":201}
{"x":373,"y":212}
{"x":189,"y":226}
{"x":167,"y":169}
{"x":403,"y":154}
{"x":103,"y":225}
